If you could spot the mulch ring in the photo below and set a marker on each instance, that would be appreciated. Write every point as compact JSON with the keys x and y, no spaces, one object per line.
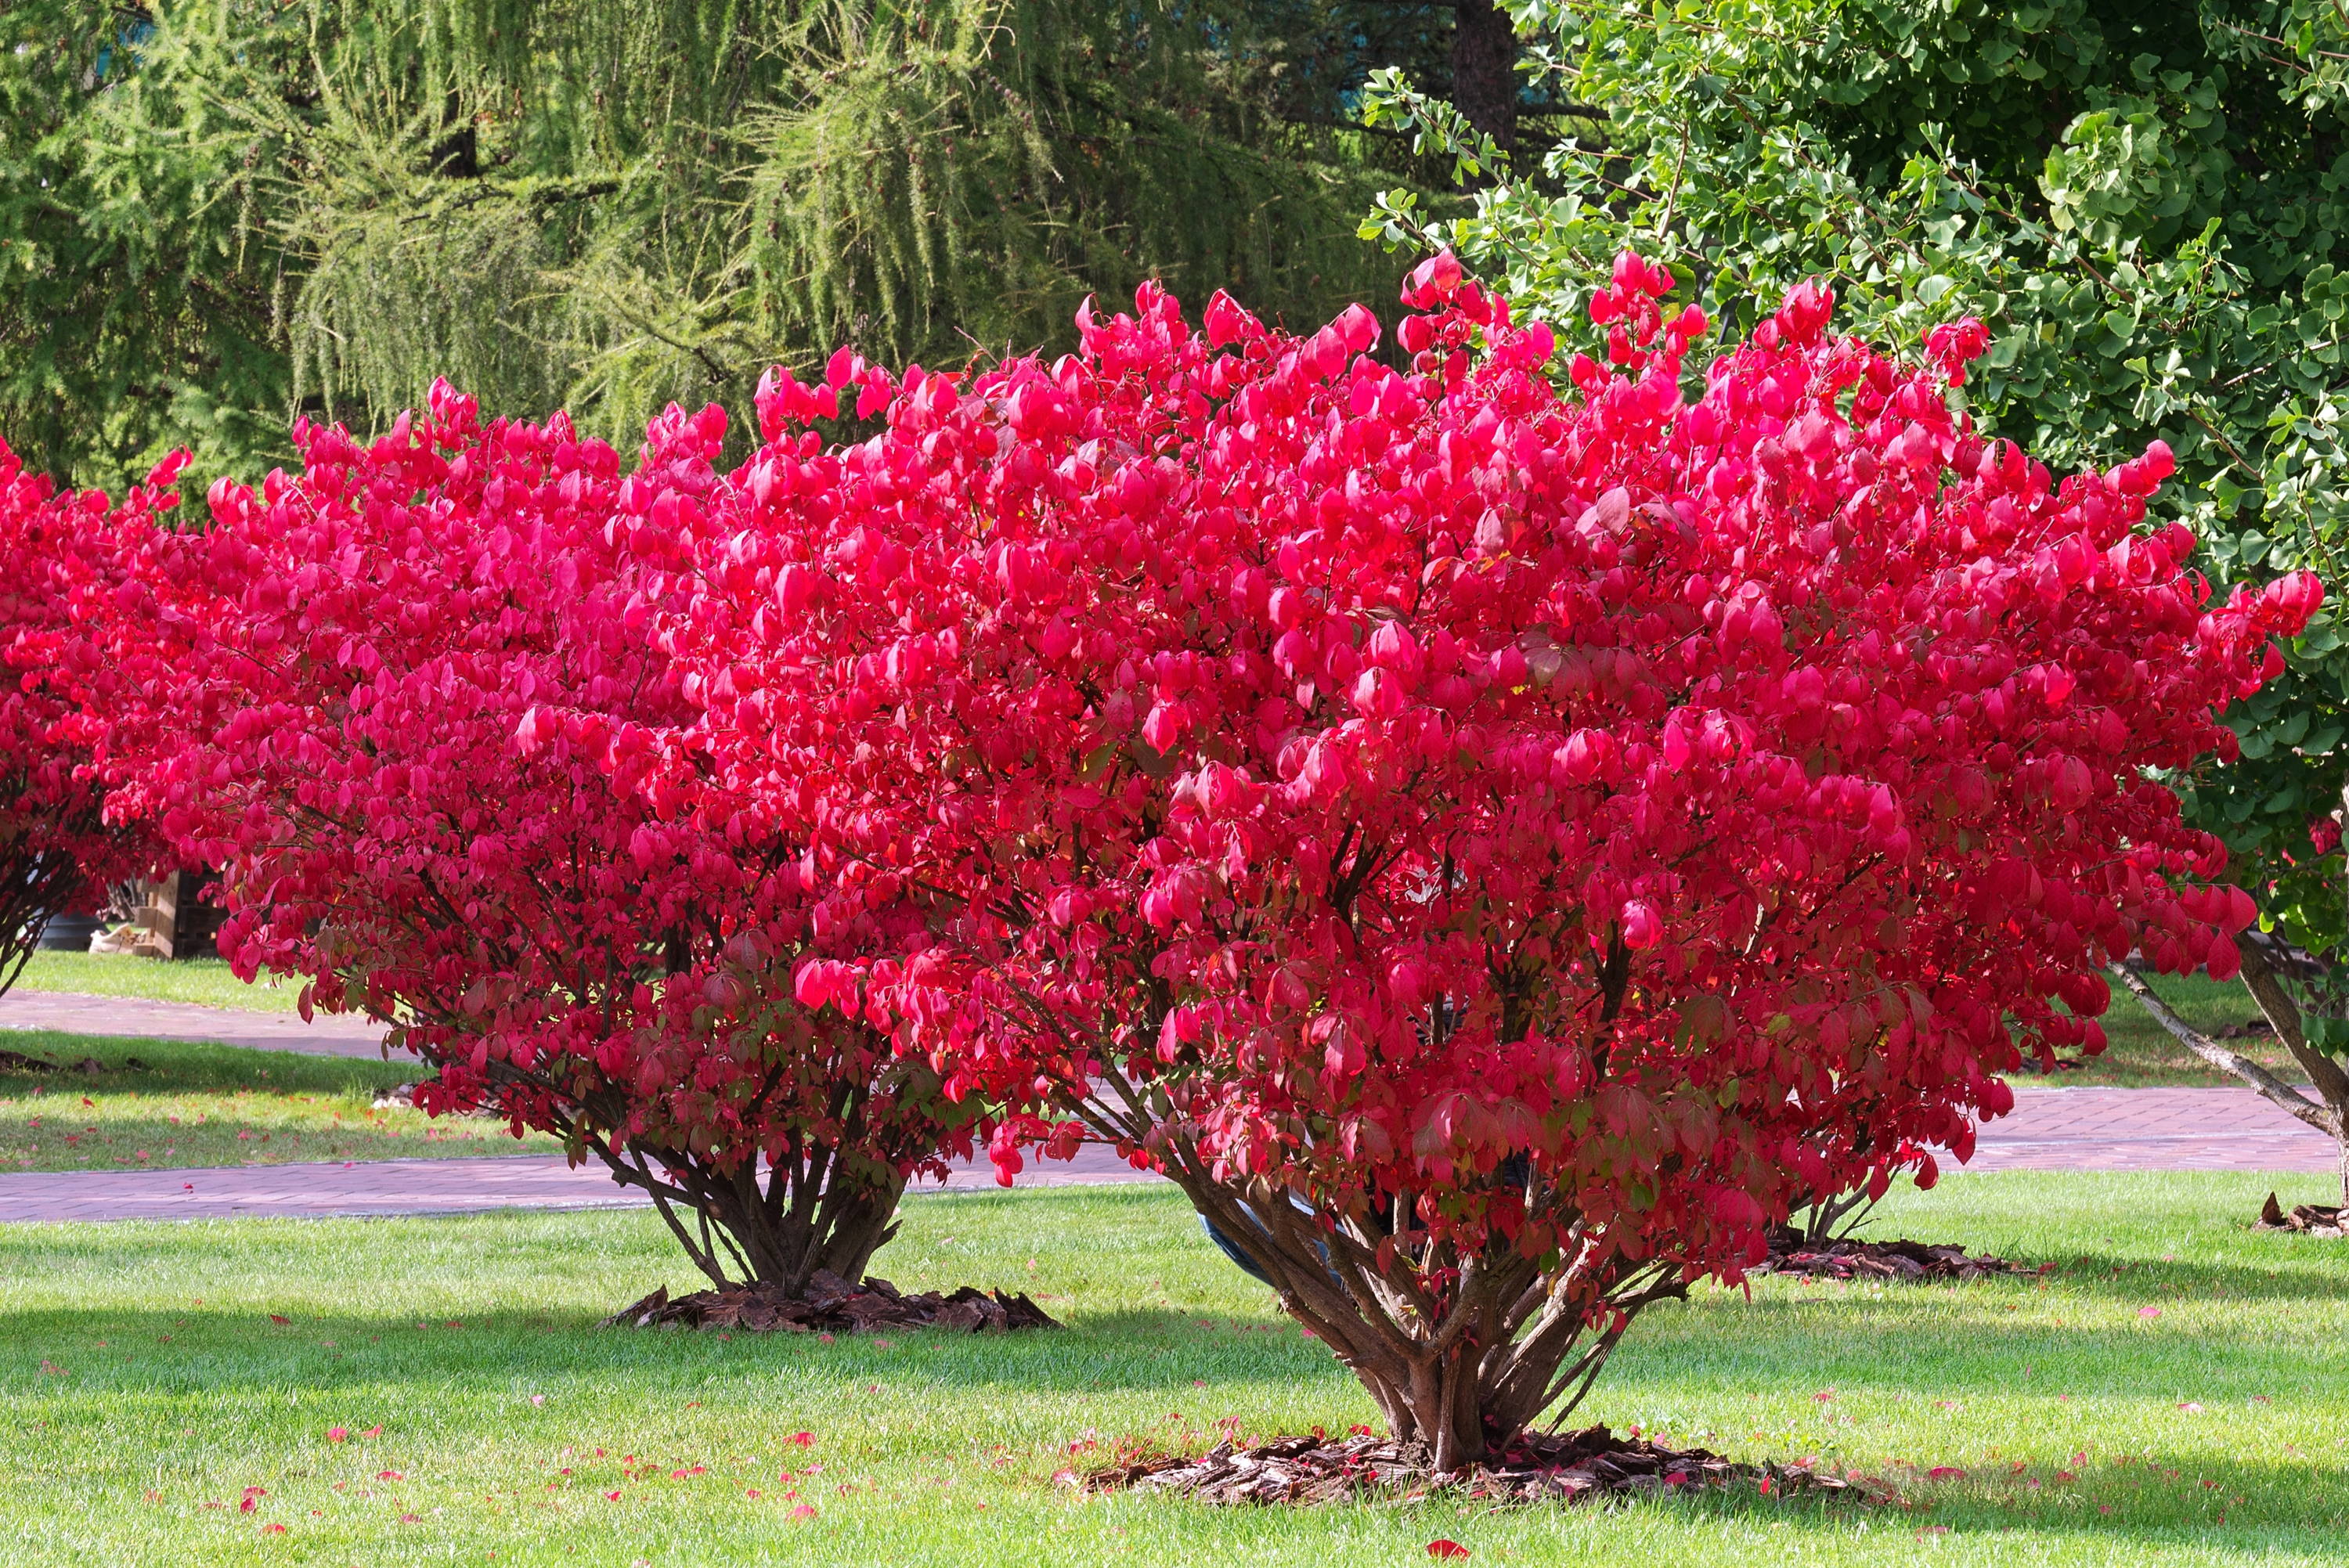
{"x":1569,"y":1467}
{"x":1847,"y":1258}
{"x":19,"y":1062}
{"x":833,"y":1306}
{"x":2309,"y":1218}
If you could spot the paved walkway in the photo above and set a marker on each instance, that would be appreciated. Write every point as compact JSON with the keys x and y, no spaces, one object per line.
{"x":2051,"y":1129}
{"x":72,"y":1014}
{"x":2150,"y":1130}
{"x":387,"y":1187}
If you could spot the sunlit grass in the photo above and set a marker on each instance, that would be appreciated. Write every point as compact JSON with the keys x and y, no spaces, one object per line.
{"x":185,"y":1103}
{"x":145,"y":1386}
{"x":208,"y":982}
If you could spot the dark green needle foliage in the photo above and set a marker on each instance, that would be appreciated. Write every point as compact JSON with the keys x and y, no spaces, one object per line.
{"x":218,"y":212}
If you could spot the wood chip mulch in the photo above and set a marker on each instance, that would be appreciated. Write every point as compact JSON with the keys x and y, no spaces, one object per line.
{"x":833,"y":1306}
{"x":19,"y":1062}
{"x":2307,"y":1219}
{"x":1569,"y":1467}
{"x":1901,"y":1260}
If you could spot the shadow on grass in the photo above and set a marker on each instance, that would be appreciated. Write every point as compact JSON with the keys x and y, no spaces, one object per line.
{"x":186,"y":1066}
{"x":231,"y":1355}
{"x":2154,"y":1499}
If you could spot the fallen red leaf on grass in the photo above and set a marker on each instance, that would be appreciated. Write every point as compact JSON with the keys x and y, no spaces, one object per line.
{"x":390,"y":1475}
{"x":339,"y":1434}
{"x":803,"y":1439}
{"x":273,"y":1530}
{"x":377,"y":1431}
{"x":803,"y":1512}
{"x":1446,"y":1549}
{"x":2149,"y":1312}
{"x":611,"y":1497}
{"x":273,"y":1317}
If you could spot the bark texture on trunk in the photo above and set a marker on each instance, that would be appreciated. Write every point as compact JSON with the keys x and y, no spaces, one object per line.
{"x":1485,"y":69}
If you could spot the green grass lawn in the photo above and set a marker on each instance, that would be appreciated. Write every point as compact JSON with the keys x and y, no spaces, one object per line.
{"x":2177,"y":1394}
{"x":194,"y":1104}
{"x":205,"y":981}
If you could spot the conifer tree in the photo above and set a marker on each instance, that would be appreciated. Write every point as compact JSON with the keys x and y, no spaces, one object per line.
{"x":217,"y":211}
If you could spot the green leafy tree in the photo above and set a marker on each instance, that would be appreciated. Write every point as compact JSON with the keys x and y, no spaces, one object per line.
{"x":2149,"y":205}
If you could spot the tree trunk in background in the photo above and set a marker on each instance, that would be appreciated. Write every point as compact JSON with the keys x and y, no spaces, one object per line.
{"x":2328,"y":1113}
{"x":1484,"y":69}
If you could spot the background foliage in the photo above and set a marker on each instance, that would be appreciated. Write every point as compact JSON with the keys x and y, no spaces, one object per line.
{"x":214,"y":213}
{"x":2147,"y":204}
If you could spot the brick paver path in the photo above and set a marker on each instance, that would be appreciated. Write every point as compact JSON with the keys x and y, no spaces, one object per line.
{"x":77,"y":1015}
{"x":378,"y":1188}
{"x":2150,"y":1130}
{"x":2051,"y":1129}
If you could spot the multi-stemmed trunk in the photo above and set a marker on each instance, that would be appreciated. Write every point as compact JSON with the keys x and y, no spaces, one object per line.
{"x":779,"y":1226}
{"x":817,"y":1206}
{"x":1459,"y":1368}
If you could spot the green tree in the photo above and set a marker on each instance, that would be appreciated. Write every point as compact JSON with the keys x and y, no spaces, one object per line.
{"x":220,"y":211}
{"x":2149,"y":205}
{"x":138,"y":285}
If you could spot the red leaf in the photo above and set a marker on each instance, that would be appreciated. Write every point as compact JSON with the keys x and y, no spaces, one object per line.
{"x":1446,"y":1549}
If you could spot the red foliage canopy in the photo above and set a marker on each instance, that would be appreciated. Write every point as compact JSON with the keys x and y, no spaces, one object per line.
{"x":58,"y":855}
{"x":383,"y":693}
{"x":1495,"y":849}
